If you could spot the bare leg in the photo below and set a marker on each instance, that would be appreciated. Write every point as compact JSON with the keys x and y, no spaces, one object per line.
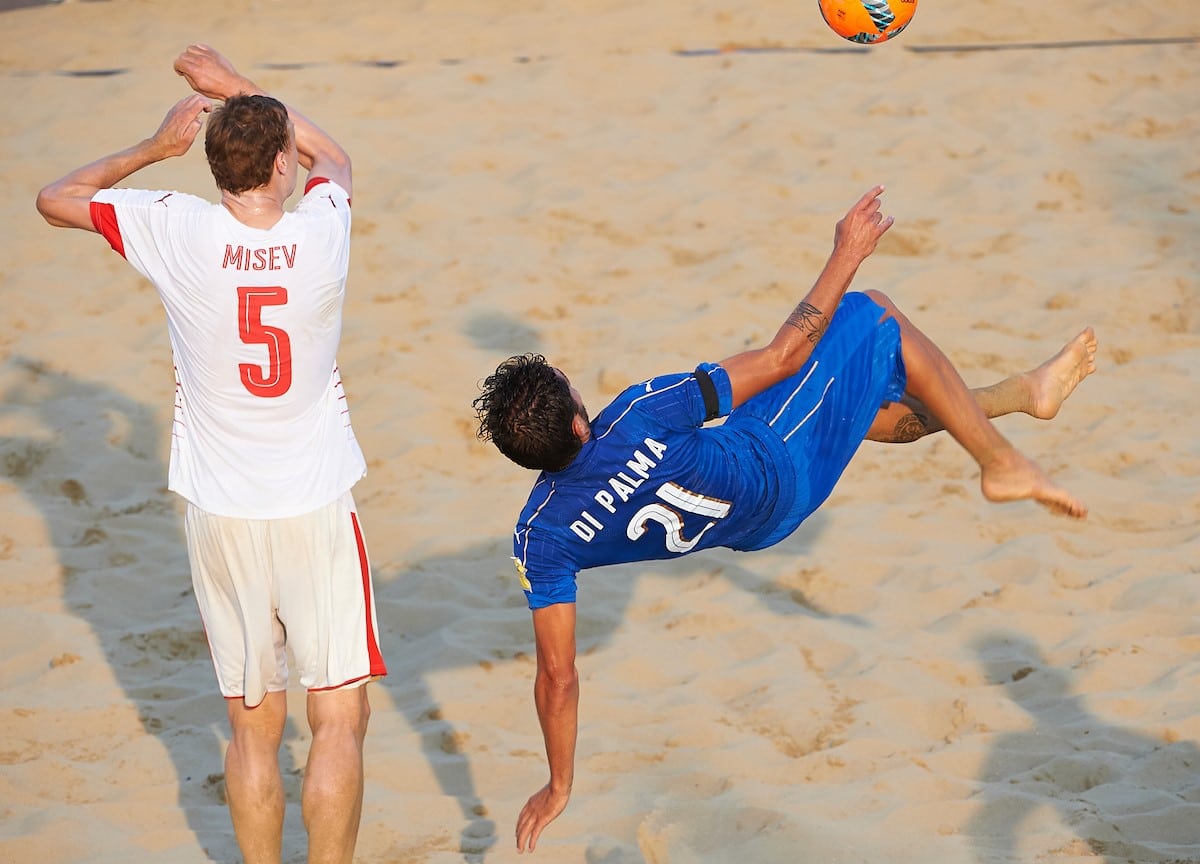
{"x":253,"y":785}
{"x":1006,"y":473}
{"x":1039,"y":393}
{"x":333,"y":780}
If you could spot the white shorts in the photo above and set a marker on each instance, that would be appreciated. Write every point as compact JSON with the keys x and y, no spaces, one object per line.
{"x":268,"y":585}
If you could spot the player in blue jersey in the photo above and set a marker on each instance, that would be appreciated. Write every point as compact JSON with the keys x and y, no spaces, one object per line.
{"x":646,"y":479}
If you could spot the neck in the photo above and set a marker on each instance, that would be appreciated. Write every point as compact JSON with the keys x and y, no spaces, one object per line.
{"x":258,"y":208}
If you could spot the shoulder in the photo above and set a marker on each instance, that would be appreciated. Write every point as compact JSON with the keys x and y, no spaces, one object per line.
{"x":672,"y":400}
{"x":653,"y":390}
{"x":325,"y":208}
{"x":323,"y":192}
{"x":166,"y":200}
{"x":542,"y":556}
{"x":132,"y":218}
{"x":542,"y":527}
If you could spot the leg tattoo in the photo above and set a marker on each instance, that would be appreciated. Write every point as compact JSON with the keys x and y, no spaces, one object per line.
{"x":909,"y":428}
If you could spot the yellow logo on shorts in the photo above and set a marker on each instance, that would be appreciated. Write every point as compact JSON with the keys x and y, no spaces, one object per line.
{"x":524,"y":580}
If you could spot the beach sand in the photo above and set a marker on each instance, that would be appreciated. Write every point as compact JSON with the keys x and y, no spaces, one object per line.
{"x":630,"y":188}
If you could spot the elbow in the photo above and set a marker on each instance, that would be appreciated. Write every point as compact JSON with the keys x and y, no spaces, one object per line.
{"x":331,"y":162}
{"x":787,"y":357}
{"x":45,"y":204}
{"x":794,"y":356}
{"x":54,"y":205}
{"x":341,"y":159}
{"x":332,"y":158}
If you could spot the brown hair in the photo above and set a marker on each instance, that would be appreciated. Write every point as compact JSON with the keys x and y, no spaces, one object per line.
{"x":244,"y":136}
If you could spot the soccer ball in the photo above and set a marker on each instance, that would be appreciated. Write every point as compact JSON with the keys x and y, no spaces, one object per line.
{"x":867,"y":21}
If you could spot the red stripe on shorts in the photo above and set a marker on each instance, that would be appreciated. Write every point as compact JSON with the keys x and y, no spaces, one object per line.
{"x":378,"y":667}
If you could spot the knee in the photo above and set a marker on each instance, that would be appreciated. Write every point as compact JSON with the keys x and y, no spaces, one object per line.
{"x":364,"y":718}
{"x":259,"y":728}
{"x":344,"y":713}
{"x":881,"y":299}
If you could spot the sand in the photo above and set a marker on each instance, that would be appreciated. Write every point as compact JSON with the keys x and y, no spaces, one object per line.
{"x":915,"y":676}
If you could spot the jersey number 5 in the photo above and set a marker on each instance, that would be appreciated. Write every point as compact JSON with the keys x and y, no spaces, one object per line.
{"x":276,"y":379}
{"x":677,"y":498}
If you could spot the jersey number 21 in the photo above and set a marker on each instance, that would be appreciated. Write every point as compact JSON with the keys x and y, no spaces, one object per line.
{"x":677,"y":498}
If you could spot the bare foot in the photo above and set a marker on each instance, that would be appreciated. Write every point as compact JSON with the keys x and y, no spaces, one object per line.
{"x":1051,"y":383}
{"x":1011,"y":476}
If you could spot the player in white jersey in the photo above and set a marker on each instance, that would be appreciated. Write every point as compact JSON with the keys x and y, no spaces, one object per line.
{"x":262,"y":448}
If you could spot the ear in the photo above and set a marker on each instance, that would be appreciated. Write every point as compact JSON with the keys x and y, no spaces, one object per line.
{"x":281,"y":163}
{"x":580,"y":427}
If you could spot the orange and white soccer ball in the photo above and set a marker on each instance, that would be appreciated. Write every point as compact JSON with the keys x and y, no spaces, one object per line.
{"x":867,"y":21}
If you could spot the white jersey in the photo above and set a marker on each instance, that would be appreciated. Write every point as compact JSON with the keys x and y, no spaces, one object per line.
{"x":261,"y":429}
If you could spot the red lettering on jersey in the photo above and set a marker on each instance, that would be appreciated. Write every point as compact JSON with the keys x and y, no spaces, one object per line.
{"x":234,"y":258}
{"x":277,"y":378}
{"x":267,"y":258}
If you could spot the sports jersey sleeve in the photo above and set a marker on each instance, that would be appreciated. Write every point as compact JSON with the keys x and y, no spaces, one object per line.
{"x":328,"y":203}
{"x":321,"y":194}
{"x":549,"y":591}
{"x":314,"y":182}
{"x":545,"y":576}
{"x":684,"y":400}
{"x":544,"y":568}
{"x":716,"y":389}
{"x":136,"y":224}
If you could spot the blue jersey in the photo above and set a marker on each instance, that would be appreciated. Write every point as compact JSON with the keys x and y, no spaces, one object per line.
{"x":654,"y":482}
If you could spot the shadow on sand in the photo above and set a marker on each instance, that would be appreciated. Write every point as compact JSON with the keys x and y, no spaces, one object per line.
{"x":1126,"y":795}
{"x":99,"y":485}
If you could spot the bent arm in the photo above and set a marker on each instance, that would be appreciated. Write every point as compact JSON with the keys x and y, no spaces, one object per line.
{"x":855,"y":237}
{"x":66,"y":203}
{"x":208,"y":72}
{"x":556,"y":694}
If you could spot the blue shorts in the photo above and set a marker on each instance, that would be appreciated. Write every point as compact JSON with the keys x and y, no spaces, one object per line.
{"x":823,"y":412}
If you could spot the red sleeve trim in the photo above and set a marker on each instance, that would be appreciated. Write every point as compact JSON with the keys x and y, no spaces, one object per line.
{"x":314,"y":182}
{"x":104,"y":218}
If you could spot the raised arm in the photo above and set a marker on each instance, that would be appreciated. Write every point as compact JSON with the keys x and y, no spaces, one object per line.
{"x":66,"y":203}
{"x":208,"y":72}
{"x":854,"y":238}
{"x":556,"y":693}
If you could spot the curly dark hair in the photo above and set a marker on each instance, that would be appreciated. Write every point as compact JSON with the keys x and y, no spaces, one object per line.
{"x":242,"y":139}
{"x":526,"y":410}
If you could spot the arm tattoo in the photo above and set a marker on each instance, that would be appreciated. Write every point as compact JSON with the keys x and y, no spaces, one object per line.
{"x":909,"y":428}
{"x":809,"y":320}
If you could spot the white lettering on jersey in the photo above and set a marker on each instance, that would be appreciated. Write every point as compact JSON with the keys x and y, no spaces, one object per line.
{"x":671,"y":519}
{"x":639,"y":465}
{"x":656,"y":448}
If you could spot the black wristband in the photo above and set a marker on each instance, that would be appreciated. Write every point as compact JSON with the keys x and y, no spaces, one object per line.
{"x":712,"y":405}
